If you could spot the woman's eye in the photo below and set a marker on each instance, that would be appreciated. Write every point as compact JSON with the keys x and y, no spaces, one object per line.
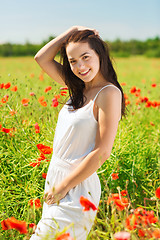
{"x":72,"y":62}
{"x":85,"y":57}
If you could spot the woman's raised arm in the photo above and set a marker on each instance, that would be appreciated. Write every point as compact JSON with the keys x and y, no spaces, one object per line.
{"x":45,"y":56}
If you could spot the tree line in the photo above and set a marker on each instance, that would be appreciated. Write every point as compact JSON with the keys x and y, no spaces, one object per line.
{"x":118,"y":48}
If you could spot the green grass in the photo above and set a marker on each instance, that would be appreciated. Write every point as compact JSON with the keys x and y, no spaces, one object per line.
{"x":135,"y":154}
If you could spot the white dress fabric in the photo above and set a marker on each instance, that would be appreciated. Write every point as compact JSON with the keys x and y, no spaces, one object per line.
{"x":74,"y":139}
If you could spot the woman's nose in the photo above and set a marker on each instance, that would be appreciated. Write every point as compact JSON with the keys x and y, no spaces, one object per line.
{"x":80,"y":65}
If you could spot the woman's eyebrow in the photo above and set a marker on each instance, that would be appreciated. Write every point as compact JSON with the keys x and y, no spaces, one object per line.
{"x":80,"y":55}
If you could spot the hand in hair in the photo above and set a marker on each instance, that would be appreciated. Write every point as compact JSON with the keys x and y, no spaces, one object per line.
{"x":81,"y":28}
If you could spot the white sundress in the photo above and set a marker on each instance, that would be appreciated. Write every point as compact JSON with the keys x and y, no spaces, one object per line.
{"x":74,"y":139}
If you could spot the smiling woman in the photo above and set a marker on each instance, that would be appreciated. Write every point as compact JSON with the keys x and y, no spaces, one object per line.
{"x":85,"y":132}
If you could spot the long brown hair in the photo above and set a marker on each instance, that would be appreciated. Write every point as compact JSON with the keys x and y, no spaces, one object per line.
{"x":75,"y":84}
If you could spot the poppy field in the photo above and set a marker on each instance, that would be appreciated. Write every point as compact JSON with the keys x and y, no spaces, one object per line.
{"x":29,"y":105}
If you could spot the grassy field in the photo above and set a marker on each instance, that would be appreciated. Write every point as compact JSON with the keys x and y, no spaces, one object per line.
{"x":27,"y":120}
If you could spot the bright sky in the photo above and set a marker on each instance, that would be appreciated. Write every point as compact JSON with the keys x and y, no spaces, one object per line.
{"x":36,"y":20}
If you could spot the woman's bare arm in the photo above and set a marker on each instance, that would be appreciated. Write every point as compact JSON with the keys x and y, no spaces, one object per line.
{"x":45,"y":56}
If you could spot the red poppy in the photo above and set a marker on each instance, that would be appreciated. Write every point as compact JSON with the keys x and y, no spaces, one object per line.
{"x":141,"y":233}
{"x":0,"y":125}
{"x":35,"y":202}
{"x":41,"y":99}
{"x":1,"y":85}
{"x":44,"y":149}
{"x":5,"y":99}
{"x":133,"y":90}
{"x":158,"y":192}
{"x":37,"y":128}
{"x":54,"y":102}
{"x":127,"y":102}
{"x":56,"y":96}
{"x":156,"y":233}
{"x":34,"y":164}
{"x":154,"y":104}
{"x":32,"y":225}
{"x":121,"y":203}
{"x":64,"y":236}
{"x":14,"y":89}
{"x":47,"y":89}
{"x":131,"y":222}
{"x":42,"y":156}
{"x":63,"y":88}
{"x":44,"y":175}
{"x":44,"y":104}
{"x":5,"y":224}
{"x":148,"y":104}
{"x":152,"y":124}
{"x":122,"y":235}
{"x":6,"y":130}
{"x":12,"y":222}
{"x":87,"y":204}
{"x":63,"y":93}
{"x":32,"y":75}
{"x":154,"y":85}
{"x":123,"y":84}
{"x":114,"y":176}
{"x":41,"y":77}
{"x":123,"y":193}
{"x":21,"y":226}
{"x":125,"y":96}
{"x":7,"y":85}
{"x":25,"y":101}
{"x":12,"y":112}
{"x":32,"y":94}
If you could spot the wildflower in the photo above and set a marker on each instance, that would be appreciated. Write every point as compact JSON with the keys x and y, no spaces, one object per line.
{"x":44,"y":149}
{"x":87,"y":204}
{"x":44,"y":104}
{"x":44,"y":175}
{"x":32,"y":225}
{"x":34,"y":164}
{"x":32,"y":94}
{"x":7,"y":85}
{"x":5,"y":99}
{"x":14,"y":89}
{"x":57,"y":96}
{"x":114,"y":176}
{"x":35,"y":202}
{"x":25,"y":101}
{"x":37,"y":128}
{"x":63,"y":93}
{"x":141,"y":233}
{"x":133,"y":90}
{"x":154,"y":104}
{"x":54,"y":102}
{"x":12,"y":112}
{"x":121,"y":203}
{"x":64,"y":236}
{"x":12,"y":222}
{"x":47,"y":89}
{"x":122,"y":236}
{"x":123,"y":84}
{"x":125,"y":96}
{"x":123,"y":193}
{"x":153,"y":85}
{"x":127,"y":102}
{"x":148,"y":104}
{"x":152,"y":124}
{"x":41,"y":77}
{"x":6,"y":130}
{"x":0,"y":125}
{"x":63,"y":88}
{"x":158,"y":192}
{"x":32,"y":75}
{"x":41,"y":99}
{"x":156,"y":233}
{"x":1,"y":85}
{"x":131,"y":222}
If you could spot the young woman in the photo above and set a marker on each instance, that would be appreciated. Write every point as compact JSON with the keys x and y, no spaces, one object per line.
{"x":85,"y":132}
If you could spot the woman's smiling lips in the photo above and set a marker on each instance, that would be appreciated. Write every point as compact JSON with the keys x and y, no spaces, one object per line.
{"x":84,"y":73}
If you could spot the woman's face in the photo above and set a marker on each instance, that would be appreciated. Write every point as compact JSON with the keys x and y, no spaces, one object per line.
{"x":83,"y":60}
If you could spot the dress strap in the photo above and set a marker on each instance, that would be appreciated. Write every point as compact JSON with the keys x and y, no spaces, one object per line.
{"x":102,"y":89}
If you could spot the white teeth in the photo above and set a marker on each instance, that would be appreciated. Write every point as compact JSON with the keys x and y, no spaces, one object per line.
{"x":84,"y":72}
